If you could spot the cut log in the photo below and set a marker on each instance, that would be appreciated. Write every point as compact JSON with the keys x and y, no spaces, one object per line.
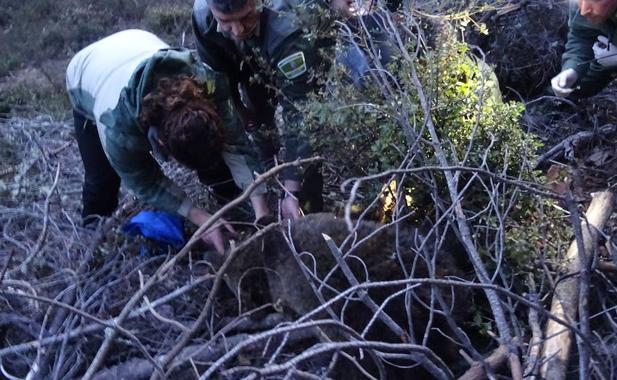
{"x":494,"y":362}
{"x":556,"y":350}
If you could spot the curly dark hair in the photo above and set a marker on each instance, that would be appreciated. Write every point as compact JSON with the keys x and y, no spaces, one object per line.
{"x":185,"y":120}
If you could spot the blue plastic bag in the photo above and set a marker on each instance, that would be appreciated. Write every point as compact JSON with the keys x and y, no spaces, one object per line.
{"x":162,"y":227}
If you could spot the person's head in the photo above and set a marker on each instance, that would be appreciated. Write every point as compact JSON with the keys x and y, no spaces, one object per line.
{"x":187,"y":125}
{"x":597,"y":11}
{"x":344,"y":8}
{"x":237,"y":19}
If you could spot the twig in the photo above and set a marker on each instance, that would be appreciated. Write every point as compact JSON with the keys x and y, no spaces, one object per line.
{"x":494,"y":362}
{"x":89,"y":329}
{"x":412,"y":351}
{"x":61,"y":148}
{"x":535,"y":343}
{"x":466,"y":235}
{"x":382,"y":315}
{"x":91,"y":317}
{"x":446,"y":169}
{"x":299,"y":326}
{"x":6,"y":265}
{"x":39,"y":243}
{"x":190,"y":332}
{"x":106,"y":345}
{"x":156,"y":315}
{"x":569,"y":143}
{"x":137,"y":369}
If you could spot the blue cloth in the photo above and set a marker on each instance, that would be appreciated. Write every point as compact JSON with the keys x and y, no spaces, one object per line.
{"x":356,"y":62}
{"x":356,"y":58}
{"x":162,"y":227}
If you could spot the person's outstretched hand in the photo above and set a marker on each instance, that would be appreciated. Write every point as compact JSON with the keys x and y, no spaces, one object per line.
{"x":290,"y":207}
{"x":563,"y":83}
{"x":216,"y":238}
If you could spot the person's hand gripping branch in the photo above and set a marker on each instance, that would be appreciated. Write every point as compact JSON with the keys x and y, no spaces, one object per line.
{"x":290,"y":205}
{"x":605,"y":52}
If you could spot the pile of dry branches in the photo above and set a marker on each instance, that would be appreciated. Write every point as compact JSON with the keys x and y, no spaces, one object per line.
{"x":78,"y":303}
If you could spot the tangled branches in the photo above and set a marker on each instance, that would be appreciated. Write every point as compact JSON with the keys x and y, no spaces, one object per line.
{"x":457,"y":280}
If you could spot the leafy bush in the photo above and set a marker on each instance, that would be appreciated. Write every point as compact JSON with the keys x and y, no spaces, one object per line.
{"x":379,"y":130}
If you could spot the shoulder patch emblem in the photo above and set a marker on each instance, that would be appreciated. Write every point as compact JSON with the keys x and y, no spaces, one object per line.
{"x":293,"y":66}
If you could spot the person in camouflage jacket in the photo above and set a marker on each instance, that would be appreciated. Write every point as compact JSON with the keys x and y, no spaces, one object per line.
{"x":133,"y":98}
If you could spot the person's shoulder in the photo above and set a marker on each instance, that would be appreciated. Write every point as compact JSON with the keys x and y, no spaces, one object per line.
{"x":202,"y":16}
{"x":281,"y":28}
{"x":201,"y":7}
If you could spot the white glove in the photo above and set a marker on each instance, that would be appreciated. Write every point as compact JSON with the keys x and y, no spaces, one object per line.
{"x":605,"y":52}
{"x":563,"y":82}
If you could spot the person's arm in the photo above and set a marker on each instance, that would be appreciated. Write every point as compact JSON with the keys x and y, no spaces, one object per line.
{"x":214,"y":235}
{"x":130,"y":156}
{"x":239,"y":154}
{"x":591,"y":77}
{"x":290,"y":205}
{"x":299,"y":65}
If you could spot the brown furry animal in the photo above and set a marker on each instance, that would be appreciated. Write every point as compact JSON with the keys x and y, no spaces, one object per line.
{"x":302,"y":272}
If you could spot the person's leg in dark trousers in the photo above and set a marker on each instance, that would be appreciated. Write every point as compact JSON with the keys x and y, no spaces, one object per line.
{"x":101,"y":182}
{"x":263,"y":131}
{"x":311,"y":195}
{"x":218,"y":177}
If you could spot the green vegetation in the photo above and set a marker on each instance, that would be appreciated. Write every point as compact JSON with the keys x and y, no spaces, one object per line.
{"x":49,"y":100}
{"x":383,"y":127}
{"x":35,"y":33}
{"x":380,"y":129}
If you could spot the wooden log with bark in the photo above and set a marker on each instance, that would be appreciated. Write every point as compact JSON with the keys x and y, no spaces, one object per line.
{"x":557,"y":347}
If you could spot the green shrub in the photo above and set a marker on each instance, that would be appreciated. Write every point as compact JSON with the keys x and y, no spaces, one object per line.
{"x":475,"y":127}
{"x":9,"y":62}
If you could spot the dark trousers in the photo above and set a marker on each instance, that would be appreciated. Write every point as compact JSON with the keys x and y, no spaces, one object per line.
{"x":311,"y":197}
{"x":101,"y":182}
{"x":218,"y":177}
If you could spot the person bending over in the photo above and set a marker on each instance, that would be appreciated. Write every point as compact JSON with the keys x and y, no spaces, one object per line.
{"x":133,"y":98}
{"x":590,"y":60}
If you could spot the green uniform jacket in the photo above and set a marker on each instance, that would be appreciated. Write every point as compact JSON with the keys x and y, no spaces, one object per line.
{"x":280,"y":55}
{"x":124,"y":141}
{"x":579,"y":56}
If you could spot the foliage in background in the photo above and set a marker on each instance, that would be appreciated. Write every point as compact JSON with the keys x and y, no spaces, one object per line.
{"x":56,"y":29}
{"x":476,"y":127}
{"x":45,"y":34}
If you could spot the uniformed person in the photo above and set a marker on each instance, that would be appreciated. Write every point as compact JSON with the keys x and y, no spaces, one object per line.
{"x":589,"y":61}
{"x":132,"y":95}
{"x":274,"y":62}
{"x":353,"y":52}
